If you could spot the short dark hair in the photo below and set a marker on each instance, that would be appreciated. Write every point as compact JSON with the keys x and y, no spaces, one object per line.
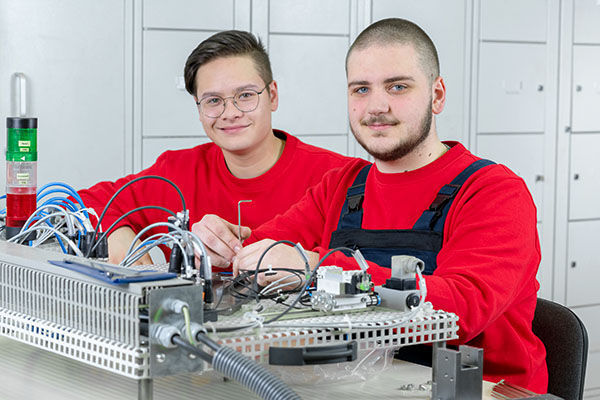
{"x":400,"y":31}
{"x":227,"y":44}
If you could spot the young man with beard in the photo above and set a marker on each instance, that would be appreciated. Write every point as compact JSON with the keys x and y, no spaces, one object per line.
{"x":473,"y":222}
{"x":229,"y":76}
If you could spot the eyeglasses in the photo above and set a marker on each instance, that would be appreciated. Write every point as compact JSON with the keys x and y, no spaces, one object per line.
{"x":245,"y":100}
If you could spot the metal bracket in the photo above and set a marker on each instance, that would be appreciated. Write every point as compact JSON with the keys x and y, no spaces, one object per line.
{"x":458,"y":374}
{"x":172,"y":361}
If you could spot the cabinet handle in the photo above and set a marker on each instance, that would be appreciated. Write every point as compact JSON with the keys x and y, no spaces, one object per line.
{"x":21,"y":93}
{"x":578,"y":88}
{"x":576,"y":177}
{"x":540,"y":88}
{"x":573,"y":264}
{"x":539,"y":178}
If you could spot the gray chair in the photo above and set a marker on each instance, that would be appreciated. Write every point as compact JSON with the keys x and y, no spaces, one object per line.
{"x":566,"y":342}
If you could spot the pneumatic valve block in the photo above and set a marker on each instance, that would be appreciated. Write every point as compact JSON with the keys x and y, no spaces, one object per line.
{"x":400,"y":290}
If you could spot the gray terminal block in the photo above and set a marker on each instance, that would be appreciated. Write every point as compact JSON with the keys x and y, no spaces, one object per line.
{"x":458,"y":374}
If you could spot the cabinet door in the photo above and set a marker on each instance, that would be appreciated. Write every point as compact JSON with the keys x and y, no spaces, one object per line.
{"x":310,"y":16}
{"x":587,"y":26}
{"x":337,"y":143}
{"x":167,"y":108}
{"x":589,"y":316}
{"x":583,"y":269}
{"x":514,"y":20}
{"x":447,"y":28}
{"x":188,"y":14}
{"x":511,"y":84}
{"x":584,"y":193}
{"x":74,"y":59}
{"x":312,"y":94}
{"x":545,"y":270}
{"x":524,"y":154}
{"x":586,"y":88}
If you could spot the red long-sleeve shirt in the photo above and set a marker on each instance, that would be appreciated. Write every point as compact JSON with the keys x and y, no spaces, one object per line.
{"x":209,"y":188}
{"x":487,"y":266}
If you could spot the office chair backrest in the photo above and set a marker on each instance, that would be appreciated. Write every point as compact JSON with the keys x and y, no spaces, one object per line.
{"x":566,"y":342}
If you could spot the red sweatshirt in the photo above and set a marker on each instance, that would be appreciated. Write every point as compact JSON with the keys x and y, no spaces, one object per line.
{"x":209,"y":187}
{"x":487,"y":266}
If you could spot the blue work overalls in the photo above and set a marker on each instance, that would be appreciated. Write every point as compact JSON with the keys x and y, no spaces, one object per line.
{"x":424,"y":240}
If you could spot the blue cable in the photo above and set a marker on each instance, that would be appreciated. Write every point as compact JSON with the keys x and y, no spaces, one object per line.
{"x":61,"y":201}
{"x":71,"y":191}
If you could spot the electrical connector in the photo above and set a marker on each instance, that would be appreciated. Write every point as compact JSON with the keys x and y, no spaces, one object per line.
{"x":164,"y":334}
{"x":174,"y":305}
{"x":195,"y":328}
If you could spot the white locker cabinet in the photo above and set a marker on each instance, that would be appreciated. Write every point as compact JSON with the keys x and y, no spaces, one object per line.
{"x":312,"y":94}
{"x":310,"y":16}
{"x":523,"y":154}
{"x":589,"y":316}
{"x":584,"y":193}
{"x":545,"y":272}
{"x":154,"y":147}
{"x":74,"y":58}
{"x":592,"y":383}
{"x":188,"y":14}
{"x":583,"y":263}
{"x":447,"y":27}
{"x":511,"y":95}
{"x":336,"y":143}
{"x":514,"y":20}
{"x":586,"y":88}
{"x":167,"y":108}
{"x":586,"y":28}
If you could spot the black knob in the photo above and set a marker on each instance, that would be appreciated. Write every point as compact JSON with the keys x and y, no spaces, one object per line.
{"x":412,"y":300}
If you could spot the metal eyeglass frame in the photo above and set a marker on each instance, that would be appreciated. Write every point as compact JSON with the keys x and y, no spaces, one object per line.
{"x":198,"y":103}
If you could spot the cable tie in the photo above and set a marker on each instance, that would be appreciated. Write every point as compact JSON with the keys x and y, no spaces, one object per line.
{"x":212,"y":327}
{"x":349,"y":321}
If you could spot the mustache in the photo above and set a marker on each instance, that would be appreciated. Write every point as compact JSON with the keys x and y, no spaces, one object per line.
{"x":380,"y":120}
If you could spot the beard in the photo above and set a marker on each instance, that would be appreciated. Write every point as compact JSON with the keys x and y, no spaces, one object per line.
{"x":405,"y":145}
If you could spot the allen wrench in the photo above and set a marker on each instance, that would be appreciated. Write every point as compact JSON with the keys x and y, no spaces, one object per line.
{"x":240,"y":218}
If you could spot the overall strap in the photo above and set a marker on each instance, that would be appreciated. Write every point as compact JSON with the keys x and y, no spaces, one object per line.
{"x":434,"y":217}
{"x":352,"y":212}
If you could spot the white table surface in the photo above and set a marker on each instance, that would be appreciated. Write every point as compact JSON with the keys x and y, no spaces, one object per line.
{"x":30,"y":373}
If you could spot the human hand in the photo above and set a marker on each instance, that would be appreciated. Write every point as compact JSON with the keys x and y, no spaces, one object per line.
{"x":220,"y":239}
{"x":280,"y":256}
{"x":119,"y":242}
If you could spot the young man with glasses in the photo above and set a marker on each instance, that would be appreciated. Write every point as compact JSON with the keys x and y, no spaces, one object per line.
{"x":473,"y":222}
{"x":229,"y":76}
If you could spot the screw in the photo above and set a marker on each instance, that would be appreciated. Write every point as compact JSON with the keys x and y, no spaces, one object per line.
{"x":160,"y":357}
{"x":192,"y":356}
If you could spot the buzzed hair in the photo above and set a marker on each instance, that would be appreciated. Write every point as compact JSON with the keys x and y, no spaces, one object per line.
{"x":400,"y":31}
{"x":227,"y":44}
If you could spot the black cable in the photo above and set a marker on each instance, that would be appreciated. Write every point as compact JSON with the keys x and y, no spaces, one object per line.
{"x":192,"y":349}
{"x":201,"y":337}
{"x":127,"y":185}
{"x":255,"y":285}
{"x":242,"y":280}
{"x":121,"y":218}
